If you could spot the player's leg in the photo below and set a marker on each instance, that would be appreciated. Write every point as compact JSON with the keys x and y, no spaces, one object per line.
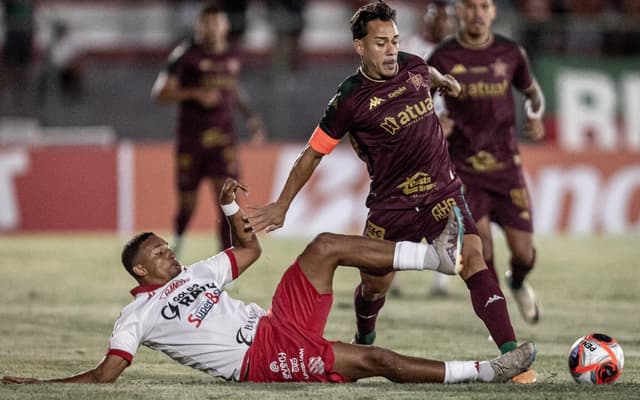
{"x":484,"y":230}
{"x":356,"y":362}
{"x":523,"y":257}
{"x":188,"y":180}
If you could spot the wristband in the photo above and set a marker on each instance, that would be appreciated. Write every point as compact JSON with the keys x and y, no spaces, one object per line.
{"x":230,"y":209}
{"x":529,"y":109}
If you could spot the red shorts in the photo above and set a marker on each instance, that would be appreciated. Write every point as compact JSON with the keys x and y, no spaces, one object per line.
{"x":288,"y":346}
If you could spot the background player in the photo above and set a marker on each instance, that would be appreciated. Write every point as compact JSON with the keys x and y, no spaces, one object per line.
{"x":202,"y":77}
{"x":483,"y":143}
{"x":185,"y":312}
{"x":388,"y":111}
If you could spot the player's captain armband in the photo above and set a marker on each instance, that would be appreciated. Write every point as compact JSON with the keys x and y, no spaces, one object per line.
{"x":321,"y":142}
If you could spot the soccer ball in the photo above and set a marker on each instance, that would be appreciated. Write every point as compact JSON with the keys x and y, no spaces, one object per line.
{"x":596,"y":358}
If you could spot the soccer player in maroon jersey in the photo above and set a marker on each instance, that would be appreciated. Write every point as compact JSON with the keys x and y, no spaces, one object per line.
{"x":483,"y":143}
{"x":387,"y":109}
{"x":186,"y":313}
{"x":202,"y":77}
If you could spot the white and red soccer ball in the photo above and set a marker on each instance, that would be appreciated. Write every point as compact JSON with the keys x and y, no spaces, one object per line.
{"x":596,"y":358}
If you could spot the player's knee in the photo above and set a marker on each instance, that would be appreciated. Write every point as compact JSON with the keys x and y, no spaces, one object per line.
{"x":377,"y":359}
{"x":324,"y":244}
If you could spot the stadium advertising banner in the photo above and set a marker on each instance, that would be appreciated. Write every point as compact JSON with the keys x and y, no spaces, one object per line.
{"x":131,"y":187}
{"x":592,"y":103}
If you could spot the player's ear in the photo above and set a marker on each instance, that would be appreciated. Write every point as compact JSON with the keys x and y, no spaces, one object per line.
{"x":358,"y":47}
{"x":139,"y":270}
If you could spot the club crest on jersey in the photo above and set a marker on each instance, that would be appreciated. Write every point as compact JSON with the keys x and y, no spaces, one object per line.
{"x":417,"y":81}
{"x":499,"y":68}
{"x":375,"y":102}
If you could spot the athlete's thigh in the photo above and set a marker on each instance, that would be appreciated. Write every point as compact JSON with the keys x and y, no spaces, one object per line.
{"x":189,"y":171}
{"x":221,"y":162}
{"x":511,"y":205}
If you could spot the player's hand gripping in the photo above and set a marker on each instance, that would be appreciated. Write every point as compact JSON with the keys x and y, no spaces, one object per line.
{"x":229,"y":189}
{"x":534,"y":129}
{"x":269,"y":217}
{"x":449,"y":86}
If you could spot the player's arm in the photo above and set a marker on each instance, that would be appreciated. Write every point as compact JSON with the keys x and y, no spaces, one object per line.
{"x":534,"y":106}
{"x":107,"y":371}
{"x":246,"y":247}
{"x":271,"y":216}
{"x":445,"y":84}
{"x":167,"y":90}
{"x":253,"y":120}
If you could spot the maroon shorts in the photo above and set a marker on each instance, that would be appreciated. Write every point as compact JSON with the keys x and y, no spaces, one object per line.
{"x":194,"y":165}
{"x":415,"y":224}
{"x":506,"y":202}
{"x":288,"y":346}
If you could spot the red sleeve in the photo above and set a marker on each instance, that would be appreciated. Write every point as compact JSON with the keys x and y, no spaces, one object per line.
{"x":121,"y":353}
{"x":234,"y":263}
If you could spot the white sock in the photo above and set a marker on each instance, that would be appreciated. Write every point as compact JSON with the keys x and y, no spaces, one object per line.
{"x":485,"y":372}
{"x":460,"y":371}
{"x":415,"y":256}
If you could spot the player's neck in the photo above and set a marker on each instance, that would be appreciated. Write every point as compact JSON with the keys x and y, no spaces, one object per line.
{"x":376,"y":77}
{"x":215,"y":47}
{"x":475,"y":42}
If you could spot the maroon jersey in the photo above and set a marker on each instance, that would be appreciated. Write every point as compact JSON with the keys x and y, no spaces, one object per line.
{"x":483,"y":142}
{"x":200,"y":127}
{"x":394,"y":130}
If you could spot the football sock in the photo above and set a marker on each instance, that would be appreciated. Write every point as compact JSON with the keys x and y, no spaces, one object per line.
{"x":520,"y":270}
{"x":415,"y":256}
{"x":366,"y":312}
{"x":508,"y":346}
{"x":490,"y":306}
{"x":462,"y":371}
{"x":485,"y":372}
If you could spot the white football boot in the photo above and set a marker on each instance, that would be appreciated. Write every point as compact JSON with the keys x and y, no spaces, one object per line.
{"x":513,"y":363}
{"x":527,"y":301}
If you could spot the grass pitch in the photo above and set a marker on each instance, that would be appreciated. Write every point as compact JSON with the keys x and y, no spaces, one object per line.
{"x":61,"y":294}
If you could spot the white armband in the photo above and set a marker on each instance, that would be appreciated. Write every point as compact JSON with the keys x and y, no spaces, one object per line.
{"x":529,"y":109}
{"x":230,"y":209}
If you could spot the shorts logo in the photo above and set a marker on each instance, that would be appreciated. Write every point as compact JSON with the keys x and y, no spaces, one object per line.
{"x":273,"y":366}
{"x":316,"y":365}
{"x":298,"y":365}
{"x":441,"y":210}
{"x":374,"y":231}
{"x":419,"y":183}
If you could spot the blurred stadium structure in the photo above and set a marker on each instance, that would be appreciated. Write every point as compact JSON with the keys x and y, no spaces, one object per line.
{"x":585,"y":52}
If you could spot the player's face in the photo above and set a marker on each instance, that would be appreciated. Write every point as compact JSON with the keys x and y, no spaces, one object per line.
{"x":157,"y":261}
{"x":476,"y":17}
{"x":378,"y":50}
{"x":212,"y":29}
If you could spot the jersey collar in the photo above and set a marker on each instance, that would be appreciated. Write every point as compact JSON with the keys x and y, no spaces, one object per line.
{"x":144,"y":289}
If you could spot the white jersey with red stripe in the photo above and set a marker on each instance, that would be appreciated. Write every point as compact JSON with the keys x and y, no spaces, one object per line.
{"x":191,"y":319}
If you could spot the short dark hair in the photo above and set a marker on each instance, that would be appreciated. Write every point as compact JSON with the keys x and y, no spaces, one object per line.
{"x":210,"y":8}
{"x":370,"y":12}
{"x":131,"y":249}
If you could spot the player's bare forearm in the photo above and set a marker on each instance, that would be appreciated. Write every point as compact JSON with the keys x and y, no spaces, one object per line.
{"x":107,"y":371}
{"x":446,"y":84}
{"x":271,"y":216}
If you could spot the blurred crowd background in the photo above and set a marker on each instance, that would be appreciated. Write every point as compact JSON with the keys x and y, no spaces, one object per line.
{"x":91,"y":63}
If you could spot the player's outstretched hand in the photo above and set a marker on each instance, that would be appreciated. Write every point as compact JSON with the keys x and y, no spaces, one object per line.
{"x":229,"y":189}
{"x":450,"y":86}
{"x":7,"y":380}
{"x":534,"y":129}
{"x":269,"y":217}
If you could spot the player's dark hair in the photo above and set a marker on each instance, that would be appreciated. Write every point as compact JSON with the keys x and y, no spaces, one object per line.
{"x":210,"y":8}
{"x":370,"y":12}
{"x":131,"y":249}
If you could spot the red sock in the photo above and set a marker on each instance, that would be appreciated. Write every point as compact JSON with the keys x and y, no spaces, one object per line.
{"x":489,"y":304}
{"x":366,"y":312}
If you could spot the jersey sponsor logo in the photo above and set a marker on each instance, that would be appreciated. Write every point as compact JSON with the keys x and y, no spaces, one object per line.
{"x":484,"y":162}
{"x":173,"y":286}
{"x":210,"y":300}
{"x":417,"y":81}
{"x":482,"y":89}
{"x":458,"y":69}
{"x":442,"y":210}
{"x":398,"y":92}
{"x":500,"y":68}
{"x":411,"y":114}
{"x":478,"y":70}
{"x":185,"y":299}
{"x":374,"y":231}
{"x":420,"y":182}
{"x":246,"y":332}
{"x":375,"y":102}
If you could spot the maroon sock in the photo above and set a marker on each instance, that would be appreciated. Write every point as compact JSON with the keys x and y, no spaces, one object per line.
{"x":492,"y":268}
{"x":520,"y":270}
{"x":489,"y":304}
{"x":366,"y":312}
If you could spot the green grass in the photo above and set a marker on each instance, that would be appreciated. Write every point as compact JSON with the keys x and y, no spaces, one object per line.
{"x":59,"y":297}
